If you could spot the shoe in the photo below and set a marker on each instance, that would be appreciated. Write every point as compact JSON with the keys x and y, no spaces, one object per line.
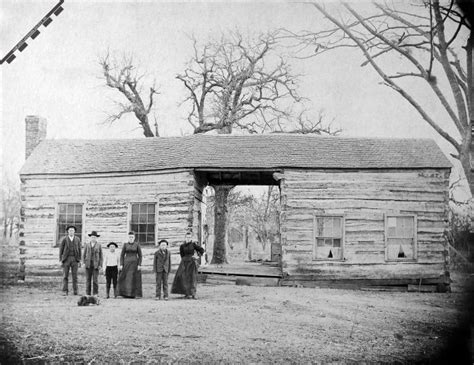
{"x":193,"y":297}
{"x":166,"y":298}
{"x":107,"y":297}
{"x":157,"y":298}
{"x":187,"y":297}
{"x":64,"y":294}
{"x":75,"y":293}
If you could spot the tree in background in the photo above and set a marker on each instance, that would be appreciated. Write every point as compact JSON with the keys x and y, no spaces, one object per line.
{"x":260,"y":213}
{"x":426,"y":40}
{"x":10,"y":208}
{"x":246,"y":84}
{"x":122,"y":75}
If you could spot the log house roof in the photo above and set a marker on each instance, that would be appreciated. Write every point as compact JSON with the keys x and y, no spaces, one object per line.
{"x":264,"y":151}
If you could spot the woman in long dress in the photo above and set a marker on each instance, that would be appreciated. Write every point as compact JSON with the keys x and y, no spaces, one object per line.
{"x":130,"y":279}
{"x":185,"y":280}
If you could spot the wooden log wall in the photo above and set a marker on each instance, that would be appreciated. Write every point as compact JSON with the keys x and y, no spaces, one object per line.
{"x":106,"y":199}
{"x":363,"y":198}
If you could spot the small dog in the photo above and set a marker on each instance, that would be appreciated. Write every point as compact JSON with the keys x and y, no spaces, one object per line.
{"x":88,"y":299}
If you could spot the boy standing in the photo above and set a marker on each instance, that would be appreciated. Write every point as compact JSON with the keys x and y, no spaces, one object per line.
{"x":161,"y":268}
{"x":93,"y":261}
{"x":111,"y":264}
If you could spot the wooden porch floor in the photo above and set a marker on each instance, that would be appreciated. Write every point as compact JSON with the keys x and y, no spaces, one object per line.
{"x":249,"y":269}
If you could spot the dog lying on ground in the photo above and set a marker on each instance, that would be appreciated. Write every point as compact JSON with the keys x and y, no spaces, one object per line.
{"x":88,"y":299}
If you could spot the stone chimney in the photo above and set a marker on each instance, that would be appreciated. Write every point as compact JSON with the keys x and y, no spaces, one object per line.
{"x":35,"y":132}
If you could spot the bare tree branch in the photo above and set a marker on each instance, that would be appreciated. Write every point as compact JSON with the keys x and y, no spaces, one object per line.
{"x":122,"y":77}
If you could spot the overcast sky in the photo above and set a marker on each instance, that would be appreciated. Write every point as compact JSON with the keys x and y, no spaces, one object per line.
{"x":58,"y":76}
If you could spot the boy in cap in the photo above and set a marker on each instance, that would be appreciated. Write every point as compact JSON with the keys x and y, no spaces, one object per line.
{"x":161,"y":268}
{"x":93,"y":261}
{"x":70,"y":257}
{"x":111,"y":264}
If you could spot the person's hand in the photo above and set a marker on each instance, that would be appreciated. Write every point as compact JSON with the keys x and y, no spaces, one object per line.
{"x":120,"y":268}
{"x":139,"y":268}
{"x":78,"y":264}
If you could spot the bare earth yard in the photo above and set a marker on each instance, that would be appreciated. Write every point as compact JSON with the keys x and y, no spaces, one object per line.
{"x":232,"y":324}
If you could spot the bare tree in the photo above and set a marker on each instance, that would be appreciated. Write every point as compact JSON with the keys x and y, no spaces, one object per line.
{"x":122,"y":76}
{"x":10,"y":207}
{"x":239,"y":83}
{"x":259,"y":213}
{"x":425,"y":38}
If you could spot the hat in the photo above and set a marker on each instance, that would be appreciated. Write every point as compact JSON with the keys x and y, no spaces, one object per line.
{"x":112,"y":243}
{"x":71,"y":226}
{"x":94,"y":233}
{"x":165,"y":241}
{"x":131,"y":232}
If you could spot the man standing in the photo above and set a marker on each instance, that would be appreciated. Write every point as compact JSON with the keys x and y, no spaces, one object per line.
{"x":93,"y":262}
{"x":70,"y":258}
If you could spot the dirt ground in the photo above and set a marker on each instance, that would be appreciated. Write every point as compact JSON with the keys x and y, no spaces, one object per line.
{"x":233,"y":324}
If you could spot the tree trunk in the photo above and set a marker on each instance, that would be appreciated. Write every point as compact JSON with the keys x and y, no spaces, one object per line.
{"x":466,"y":160}
{"x":220,"y":224}
{"x":147,"y":131}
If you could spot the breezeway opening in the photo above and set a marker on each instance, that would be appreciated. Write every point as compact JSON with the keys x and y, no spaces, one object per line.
{"x":252,"y":240}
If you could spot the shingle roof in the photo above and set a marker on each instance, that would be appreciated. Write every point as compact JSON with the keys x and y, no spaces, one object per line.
{"x":231,"y":151}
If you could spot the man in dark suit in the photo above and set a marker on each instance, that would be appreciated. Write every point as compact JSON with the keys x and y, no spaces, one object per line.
{"x":161,"y":268}
{"x":70,"y":258}
{"x":92,"y":259}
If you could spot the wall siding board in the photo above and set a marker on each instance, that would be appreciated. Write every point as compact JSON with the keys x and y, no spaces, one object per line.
{"x":106,"y":209}
{"x":364,"y":198}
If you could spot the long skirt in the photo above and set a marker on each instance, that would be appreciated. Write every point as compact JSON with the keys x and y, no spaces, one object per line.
{"x":130,"y":279}
{"x":185,"y":279}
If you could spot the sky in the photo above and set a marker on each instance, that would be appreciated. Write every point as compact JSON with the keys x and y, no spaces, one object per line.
{"x":58,"y":76}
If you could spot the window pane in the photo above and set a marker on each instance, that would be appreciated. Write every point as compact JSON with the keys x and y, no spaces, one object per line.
{"x":337,"y":227}
{"x":400,"y":248}
{"x":151,"y":208}
{"x":78,"y":209}
{"x":151,"y":228}
{"x":142,"y":218}
{"x":336,"y":242}
{"x":405,"y":227}
{"x":135,"y":209}
{"x":62,"y":208}
{"x":319,"y":227}
{"x":327,"y":230}
{"x":150,"y":238}
{"x":142,"y":208}
{"x":320,"y":242}
{"x":328,"y":242}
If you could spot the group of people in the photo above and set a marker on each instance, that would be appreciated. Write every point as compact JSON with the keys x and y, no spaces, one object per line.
{"x":123,"y":272}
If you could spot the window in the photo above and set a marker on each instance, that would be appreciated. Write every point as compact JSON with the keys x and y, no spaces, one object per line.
{"x":69,"y":214}
{"x":328,"y":238}
{"x":143,"y":222}
{"x":400,"y":237}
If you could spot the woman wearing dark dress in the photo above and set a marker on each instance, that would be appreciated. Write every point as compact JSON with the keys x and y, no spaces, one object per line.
{"x":130,"y":279}
{"x":185,"y":279}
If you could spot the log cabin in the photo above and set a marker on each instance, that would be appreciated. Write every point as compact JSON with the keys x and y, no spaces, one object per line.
{"x":354,"y":211}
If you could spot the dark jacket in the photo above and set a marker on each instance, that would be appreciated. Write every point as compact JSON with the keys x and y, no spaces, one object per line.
{"x":95,"y":253}
{"x":162,"y":261}
{"x":67,"y":246}
{"x":187,"y":249}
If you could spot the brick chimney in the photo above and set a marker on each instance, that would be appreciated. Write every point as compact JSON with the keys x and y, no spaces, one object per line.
{"x":35,"y":132}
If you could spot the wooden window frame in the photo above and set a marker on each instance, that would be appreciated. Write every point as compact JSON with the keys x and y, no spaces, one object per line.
{"x":56,"y":240}
{"x":415,"y":238}
{"x":343,"y":234}
{"x":129,"y":220}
